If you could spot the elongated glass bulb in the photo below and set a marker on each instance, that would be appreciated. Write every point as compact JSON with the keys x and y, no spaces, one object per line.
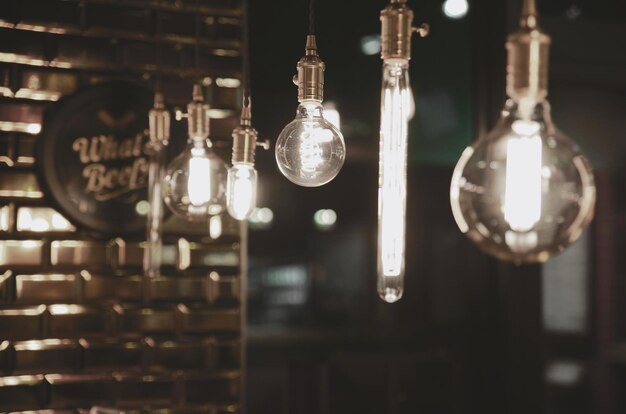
{"x":153,"y":252}
{"x":310,"y":151}
{"x":241,"y":190}
{"x":524,"y":191}
{"x":194,"y":186}
{"x":395,"y":107}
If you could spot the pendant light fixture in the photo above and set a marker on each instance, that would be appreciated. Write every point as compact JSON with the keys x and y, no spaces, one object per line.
{"x":159,"y":121}
{"x":241,"y":187}
{"x":194,"y":185}
{"x":524,"y":192}
{"x":396,"y":101}
{"x":310,"y":150}
{"x":242,"y":176}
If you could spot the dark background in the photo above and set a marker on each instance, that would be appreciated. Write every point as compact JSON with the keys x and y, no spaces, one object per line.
{"x":471,"y":335}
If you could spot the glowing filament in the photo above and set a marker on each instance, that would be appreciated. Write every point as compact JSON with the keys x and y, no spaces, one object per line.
{"x":522,"y":200}
{"x":392,"y":181}
{"x":199,"y":183}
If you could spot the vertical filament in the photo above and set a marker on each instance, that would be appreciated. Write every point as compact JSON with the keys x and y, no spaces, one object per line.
{"x":395,"y":106}
{"x":241,"y":195}
{"x":522,"y":199}
{"x":199,"y":182}
{"x":311,"y":152}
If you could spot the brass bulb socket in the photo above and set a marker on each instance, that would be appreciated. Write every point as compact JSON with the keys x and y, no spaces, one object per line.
{"x":159,"y":121}
{"x":527,"y":64}
{"x":396,"y":28}
{"x":310,"y":76}
{"x":244,"y":144}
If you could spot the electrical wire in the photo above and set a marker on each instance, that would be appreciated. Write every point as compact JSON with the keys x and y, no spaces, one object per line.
{"x":246,"y":54}
{"x":157,"y":77}
{"x":311,"y":17}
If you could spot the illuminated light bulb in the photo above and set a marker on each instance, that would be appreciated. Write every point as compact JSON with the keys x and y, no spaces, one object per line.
{"x":455,"y":9}
{"x":392,"y":181}
{"x":194,"y":186}
{"x":396,"y":109}
{"x":242,"y":176}
{"x":310,"y":150}
{"x":241,"y":191}
{"x":524,"y":192}
{"x":194,"y":183}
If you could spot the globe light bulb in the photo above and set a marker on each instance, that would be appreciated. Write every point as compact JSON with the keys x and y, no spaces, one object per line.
{"x":524,"y":192}
{"x":392,"y":180}
{"x":194,"y":186}
{"x":310,"y":150}
{"x":397,"y":107}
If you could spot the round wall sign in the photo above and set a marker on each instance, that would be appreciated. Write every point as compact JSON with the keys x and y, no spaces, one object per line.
{"x":92,"y":157}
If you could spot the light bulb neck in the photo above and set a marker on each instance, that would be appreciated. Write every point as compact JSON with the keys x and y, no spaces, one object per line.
{"x":310,"y":109}
{"x":529,"y":15}
{"x":246,"y":112}
{"x":396,"y":30}
{"x":310,"y":76}
{"x":200,"y":144}
{"x":527,"y":61}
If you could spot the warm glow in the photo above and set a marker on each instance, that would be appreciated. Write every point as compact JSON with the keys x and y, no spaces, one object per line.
{"x":392,"y":181}
{"x":215,"y":227}
{"x":522,"y":200}
{"x":241,"y":196}
{"x":199,"y":183}
{"x":40,"y":219}
{"x":392,"y":191}
{"x":455,"y":9}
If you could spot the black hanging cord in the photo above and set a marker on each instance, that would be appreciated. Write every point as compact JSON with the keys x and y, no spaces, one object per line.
{"x":311,"y":17}
{"x":157,"y":77}
{"x":246,"y":54}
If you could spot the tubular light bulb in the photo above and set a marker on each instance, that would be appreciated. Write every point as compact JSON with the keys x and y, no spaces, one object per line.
{"x":194,"y":186}
{"x":392,"y":180}
{"x":524,"y":192}
{"x":241,"y":192}
{"x":242,"y":177}
{"x":310,"y":150}
{"x":397,"y":107}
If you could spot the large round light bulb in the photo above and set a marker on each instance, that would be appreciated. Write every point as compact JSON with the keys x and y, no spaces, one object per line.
{"x":310,"y":150}
{"x":194,"y":185}
{"x":241,"y":190}
{"x":523,"y":192}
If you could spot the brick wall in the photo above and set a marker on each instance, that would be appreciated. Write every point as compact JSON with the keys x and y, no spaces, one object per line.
{"x":79,"y":324}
